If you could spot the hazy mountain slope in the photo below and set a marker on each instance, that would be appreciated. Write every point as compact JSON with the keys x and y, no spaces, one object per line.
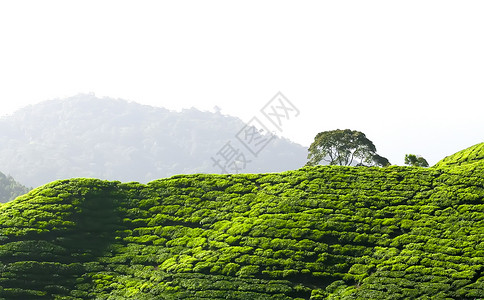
{"x":85,"y":136}
{"x":10,"y":189}
{"x":324,"y":232}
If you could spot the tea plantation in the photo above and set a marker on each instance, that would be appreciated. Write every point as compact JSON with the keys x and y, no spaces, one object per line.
{"x":325,"y":232}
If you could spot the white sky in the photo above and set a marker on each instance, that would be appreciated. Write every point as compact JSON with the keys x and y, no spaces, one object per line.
{"x":409,"y":74}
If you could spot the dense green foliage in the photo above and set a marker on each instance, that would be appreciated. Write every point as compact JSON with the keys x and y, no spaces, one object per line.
{"x":325,"y":232}
{"x":10,"y":189}
{"x":416,"y":161}
{"x":470,"y":155}
{"x":344,"y":148}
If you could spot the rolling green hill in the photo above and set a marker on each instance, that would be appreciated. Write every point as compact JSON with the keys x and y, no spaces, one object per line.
{"x":467,"y":156}
{"x":325,"y":232}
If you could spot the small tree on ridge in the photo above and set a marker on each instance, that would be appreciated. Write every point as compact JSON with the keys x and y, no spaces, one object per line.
{"x":415,"y":160}
{"x":344,"y":147}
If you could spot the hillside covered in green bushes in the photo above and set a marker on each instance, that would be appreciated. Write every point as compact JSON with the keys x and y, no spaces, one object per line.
{"x":325,"y":232}
{"x":470,"y":155}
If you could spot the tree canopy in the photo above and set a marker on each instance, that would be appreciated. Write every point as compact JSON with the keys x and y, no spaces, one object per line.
{"x":344,"y":147}
{"x":415,"y":160}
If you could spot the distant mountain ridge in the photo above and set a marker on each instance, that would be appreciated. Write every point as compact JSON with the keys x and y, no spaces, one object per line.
{"x":10,"y":189}
{"x":85,"y":136}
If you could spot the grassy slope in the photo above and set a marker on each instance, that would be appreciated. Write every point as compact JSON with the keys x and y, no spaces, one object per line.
{"x":314,"y":233}
{"x":470,"y":155}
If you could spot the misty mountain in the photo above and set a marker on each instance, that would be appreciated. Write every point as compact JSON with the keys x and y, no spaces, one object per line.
{"x":86,"y":136}
{"x":10,"y":189}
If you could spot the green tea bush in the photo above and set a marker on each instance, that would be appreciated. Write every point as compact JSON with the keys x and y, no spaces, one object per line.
{"x":324,"y":232}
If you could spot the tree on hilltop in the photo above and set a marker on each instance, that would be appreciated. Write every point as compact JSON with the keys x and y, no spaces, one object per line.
{"x":344,"y":147}
{"x":415,"y":160}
